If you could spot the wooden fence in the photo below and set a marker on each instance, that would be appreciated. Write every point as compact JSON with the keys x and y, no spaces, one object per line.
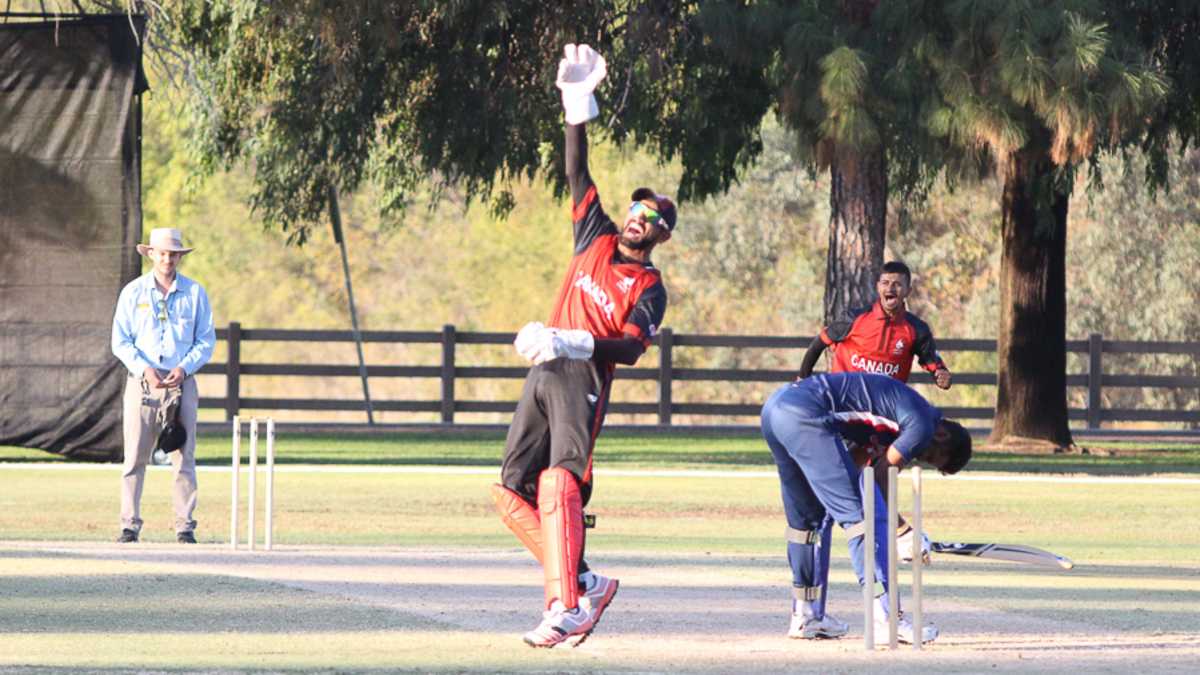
{"x":449,"y":371}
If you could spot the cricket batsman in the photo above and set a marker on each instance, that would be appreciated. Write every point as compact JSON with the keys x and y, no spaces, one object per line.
{"x":804,"y":424}
{"x":610,"y":305}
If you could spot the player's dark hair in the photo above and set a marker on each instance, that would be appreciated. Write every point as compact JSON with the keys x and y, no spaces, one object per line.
{"x":959,"y":445}
{"x":896,"y":267}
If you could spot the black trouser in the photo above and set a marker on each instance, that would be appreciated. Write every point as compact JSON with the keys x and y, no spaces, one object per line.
{"x":556,"y":423}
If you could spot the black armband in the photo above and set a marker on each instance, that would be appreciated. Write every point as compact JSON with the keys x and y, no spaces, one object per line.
{"x":625,"y":350}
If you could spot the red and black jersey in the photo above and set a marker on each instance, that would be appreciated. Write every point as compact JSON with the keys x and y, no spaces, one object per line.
{"x":870,"y":341}
{"x":603,"y":292}
{"x":564,"y":401}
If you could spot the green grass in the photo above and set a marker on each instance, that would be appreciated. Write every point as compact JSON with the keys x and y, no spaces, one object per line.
{"x":433,"y":509}
{"x":650,"y":450}
{"x":1111,"y":458}
{"x":113,"y":609}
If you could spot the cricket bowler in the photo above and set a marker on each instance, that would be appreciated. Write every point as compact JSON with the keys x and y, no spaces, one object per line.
{"x":610,"y":305}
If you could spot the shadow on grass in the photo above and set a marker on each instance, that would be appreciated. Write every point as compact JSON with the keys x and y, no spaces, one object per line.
{"x":168,"y":603}
{"x":495,"y":553}
{"x":183,"y":603}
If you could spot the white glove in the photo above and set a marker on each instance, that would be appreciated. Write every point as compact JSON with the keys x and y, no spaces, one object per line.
{"x":904,"y":546}
{"x":579,"y":72}
{"x":554,"y":343}
{"x":527,"y":340}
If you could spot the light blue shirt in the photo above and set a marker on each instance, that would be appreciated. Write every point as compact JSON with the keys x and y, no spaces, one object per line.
{"x":141,"y":337}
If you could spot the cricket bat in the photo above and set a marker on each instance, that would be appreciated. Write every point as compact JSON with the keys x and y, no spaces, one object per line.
{"x":1011,"y":552}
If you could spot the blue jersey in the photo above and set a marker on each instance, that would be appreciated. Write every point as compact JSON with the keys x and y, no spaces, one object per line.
{"x":865,"y":404}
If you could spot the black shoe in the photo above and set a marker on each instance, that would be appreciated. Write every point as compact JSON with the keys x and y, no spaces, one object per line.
{"x":185,"y":538}
{"x":128,"y":537}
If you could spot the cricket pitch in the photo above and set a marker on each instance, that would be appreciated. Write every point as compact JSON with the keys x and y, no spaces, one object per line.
{"x":206,"y":608}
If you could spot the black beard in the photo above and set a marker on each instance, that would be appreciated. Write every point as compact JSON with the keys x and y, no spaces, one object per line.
{"x":640,"y":245}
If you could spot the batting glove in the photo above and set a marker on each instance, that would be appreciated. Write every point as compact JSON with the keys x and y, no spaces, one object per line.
{"x":579,"y":72}
{"x":527,"y":341}
{"x":904,"y":546}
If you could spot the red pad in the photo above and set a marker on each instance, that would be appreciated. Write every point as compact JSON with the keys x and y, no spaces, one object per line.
{"x":561,"y":509}
{"x":520,"y":517}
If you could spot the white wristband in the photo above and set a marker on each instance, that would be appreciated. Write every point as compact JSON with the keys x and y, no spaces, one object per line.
{"x":574,"y":344}
{"x":579,"y":109}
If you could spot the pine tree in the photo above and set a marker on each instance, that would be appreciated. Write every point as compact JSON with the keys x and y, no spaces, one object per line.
{"x":847,"y":82}
{"x":1035,"y":90}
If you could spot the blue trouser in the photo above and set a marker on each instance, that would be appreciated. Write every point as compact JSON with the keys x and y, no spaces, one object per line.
{"x":818,"y":481}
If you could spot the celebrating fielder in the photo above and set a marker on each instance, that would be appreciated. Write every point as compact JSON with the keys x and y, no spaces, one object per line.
{"x":883,"y":338}
{"x":610,"y":305}
{"x":804,"y":424}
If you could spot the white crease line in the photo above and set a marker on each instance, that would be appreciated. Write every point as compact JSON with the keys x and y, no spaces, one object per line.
{"x":634,"y":473}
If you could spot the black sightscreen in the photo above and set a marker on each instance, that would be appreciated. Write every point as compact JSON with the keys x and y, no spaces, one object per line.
{"x":70,"y":217}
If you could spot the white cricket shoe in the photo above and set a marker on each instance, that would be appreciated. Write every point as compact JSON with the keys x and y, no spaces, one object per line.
{"x":904,"y":629}
{"x":812,"y":628}
{"x":558,"y":624}
{"x":598,"y":593}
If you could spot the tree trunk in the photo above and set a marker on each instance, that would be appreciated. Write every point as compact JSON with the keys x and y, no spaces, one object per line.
{"x":1031,"y":392}
{"x":857,"y":229}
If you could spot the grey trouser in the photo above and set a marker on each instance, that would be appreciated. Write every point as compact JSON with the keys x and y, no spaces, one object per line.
{"x":142,"y":427}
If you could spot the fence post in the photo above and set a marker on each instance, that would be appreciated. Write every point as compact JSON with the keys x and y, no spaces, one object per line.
{"x":233,"y":371}
{"x":666,"y":339}
{"x":448,"y":339}
{"x":1095,"y":373}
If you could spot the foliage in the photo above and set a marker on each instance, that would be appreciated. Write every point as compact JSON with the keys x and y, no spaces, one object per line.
{"x":1135,"y":273}
{"x":411,"y":99}
{"x":1136,"y":255}
{"x":1049,"y":77}
{"x":407,"y":277}
{"x":458,"y":264}
{"x":1169,"y":31}
{"x":671,"y":91}
{"x":1127,"y":270}
{"x":1036,"y":89}
{"x":318,"y":94}
{"x":760,"y":243}
{"x":747,"y":262}
{"x":842,"y":74}
{"x":848,"y":78}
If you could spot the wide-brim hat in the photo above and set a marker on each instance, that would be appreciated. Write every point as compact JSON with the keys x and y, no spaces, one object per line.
{"x":665,"y":206}
{"x":164,"y":239}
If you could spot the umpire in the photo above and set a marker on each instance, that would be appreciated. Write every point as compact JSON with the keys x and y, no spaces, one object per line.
{"x":163,"y":333}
